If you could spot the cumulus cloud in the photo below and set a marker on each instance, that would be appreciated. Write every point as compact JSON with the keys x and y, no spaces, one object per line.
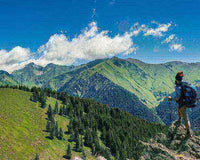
{"x":176,"y":47}
{"x":89,"y":45}
{"x":11,"y":60}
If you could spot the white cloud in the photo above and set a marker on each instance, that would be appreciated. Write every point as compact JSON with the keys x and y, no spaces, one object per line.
{"x":157,"y":32}
{"x":169,"y":39}
{"x":11,"y":60}
{"x":176,"y":47}
{"x":89,"y":45}
{"x":17,"y":54}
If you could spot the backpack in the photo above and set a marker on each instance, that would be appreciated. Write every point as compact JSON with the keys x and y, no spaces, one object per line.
{"x":189,"y":94}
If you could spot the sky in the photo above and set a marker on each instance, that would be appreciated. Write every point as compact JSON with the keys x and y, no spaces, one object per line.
{"x":67,"y":32}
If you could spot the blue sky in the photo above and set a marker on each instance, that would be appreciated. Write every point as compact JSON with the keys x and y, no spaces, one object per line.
{"x":31,"y":23}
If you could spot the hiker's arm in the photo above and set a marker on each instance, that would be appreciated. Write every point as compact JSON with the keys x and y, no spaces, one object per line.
{"x":178,"y":94}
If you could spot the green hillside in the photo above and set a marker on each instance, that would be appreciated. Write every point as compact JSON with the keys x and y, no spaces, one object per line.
{"x":103,"y":131}
{"x":149,"y":82}
{"x":101,"y":89}
{"x":22,"y":128}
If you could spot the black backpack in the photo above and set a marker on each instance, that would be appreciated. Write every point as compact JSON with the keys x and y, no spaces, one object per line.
{"x":189,"y":94}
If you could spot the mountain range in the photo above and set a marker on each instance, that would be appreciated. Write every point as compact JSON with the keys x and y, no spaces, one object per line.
{"x":135,"y":86}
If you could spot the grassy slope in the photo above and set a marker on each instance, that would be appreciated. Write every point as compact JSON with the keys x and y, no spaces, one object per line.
{"x":96,"y":86}
{"x":150,"y":82}
{"x":22,"y":123}
{"x":129,"y":77}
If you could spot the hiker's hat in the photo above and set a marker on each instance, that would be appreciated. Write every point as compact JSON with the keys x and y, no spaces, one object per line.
{"x":179,"y":76}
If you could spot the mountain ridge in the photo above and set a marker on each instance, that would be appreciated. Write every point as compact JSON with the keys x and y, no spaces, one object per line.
{"x":150,"y":83}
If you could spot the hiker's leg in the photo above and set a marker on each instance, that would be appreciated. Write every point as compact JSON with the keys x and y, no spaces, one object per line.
{"x":185,"y":118}
{"x":179,"y":114}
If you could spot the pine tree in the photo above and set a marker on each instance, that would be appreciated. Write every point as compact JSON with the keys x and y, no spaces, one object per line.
{"x":48,"y":126}
{"x":68,"y":153}
{"x":60,"y":134}
{"x":64,"y":110}
{"x":49,"y":112}
{"x":56,"y":108}
{"x":61,"y":111}
{"x":43,"y":102}
{"x":70,"y":127}
{"x":71,"y":137}
{"x":76,"y":135}
{"x":81,"y":142}
{"x":52,"y":133}
{"x":88,"y":138}
{"x":83,"y":153}
{"x":78,"y":145}
{"x":56,"y":130}
{"x":37,"y":157}
{"x":31,"y":97}
{"x":103,"y":135}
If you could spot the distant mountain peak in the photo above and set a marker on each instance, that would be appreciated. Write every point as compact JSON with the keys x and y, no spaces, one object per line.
{"x":30,"y":64}
{"x":33,"y":65}
{"x":132,"y":60}
{"x":175,"y":62}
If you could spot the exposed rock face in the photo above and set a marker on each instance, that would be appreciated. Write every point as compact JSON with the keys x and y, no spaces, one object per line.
{"x":175,"y":145}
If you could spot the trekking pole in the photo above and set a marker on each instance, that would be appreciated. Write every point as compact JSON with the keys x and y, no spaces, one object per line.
{"x":170,"y":112}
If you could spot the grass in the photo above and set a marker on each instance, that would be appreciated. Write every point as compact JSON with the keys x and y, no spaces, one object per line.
{"x":22,"y":129}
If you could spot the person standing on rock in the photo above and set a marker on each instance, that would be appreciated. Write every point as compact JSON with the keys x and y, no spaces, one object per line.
{"x":180,"y":99}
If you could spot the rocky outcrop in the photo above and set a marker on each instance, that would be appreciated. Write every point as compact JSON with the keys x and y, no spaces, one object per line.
{"x":175,"y":145}
{"x":100,"y":158}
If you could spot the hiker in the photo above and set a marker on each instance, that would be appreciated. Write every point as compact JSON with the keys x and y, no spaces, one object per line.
{"x":182,"y":99}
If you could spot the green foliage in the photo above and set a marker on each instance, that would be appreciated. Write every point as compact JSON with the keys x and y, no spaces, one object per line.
{"x":120,"y":131}
{"x":60,"y":134}
{"x":56,"y":108}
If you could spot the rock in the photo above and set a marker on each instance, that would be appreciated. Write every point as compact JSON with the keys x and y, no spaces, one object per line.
{"x":174,"y":145}
{"x":77,"y":158}
{"x":100,"y":158}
